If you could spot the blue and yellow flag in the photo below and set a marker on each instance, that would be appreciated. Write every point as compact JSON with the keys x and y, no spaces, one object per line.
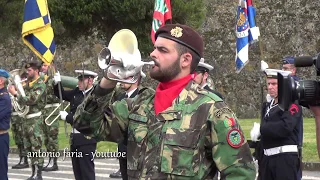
{"x":37,"y":32}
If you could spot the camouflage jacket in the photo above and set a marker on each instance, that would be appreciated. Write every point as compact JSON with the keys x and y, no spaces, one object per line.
{"x":35,"y":96}
{"x":51,"y":98}
{"x":191,"y":139}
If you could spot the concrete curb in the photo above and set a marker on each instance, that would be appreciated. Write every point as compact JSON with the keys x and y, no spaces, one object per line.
{"x":307,"y":166}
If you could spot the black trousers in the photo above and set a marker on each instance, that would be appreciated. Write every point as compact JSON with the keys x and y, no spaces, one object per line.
{"x":123,"y":168}
{"x":83,"y":167}
{"x":282,"y":166}
{"x":123,"y":161}
{"x":4,"y":151}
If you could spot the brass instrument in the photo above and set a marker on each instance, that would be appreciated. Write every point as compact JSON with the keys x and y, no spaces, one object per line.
{"x":50,"y":123}
{"x":15,"y":80}
{"x":123,"y":45}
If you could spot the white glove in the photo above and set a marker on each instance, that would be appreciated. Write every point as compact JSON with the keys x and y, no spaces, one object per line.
{"x":122,"y":73}
{"x":57,"y":78}
{"x":269,"y":98}
{"x":255,"y":132}
{"x":264,"y":65}
{"x":129,"y":61}
{"x":63,"y":115}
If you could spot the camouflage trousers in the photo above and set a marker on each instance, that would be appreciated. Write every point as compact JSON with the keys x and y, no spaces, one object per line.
{"x":51,"y":135}
{"x":33,"y":139}
{"x":17,"y":129}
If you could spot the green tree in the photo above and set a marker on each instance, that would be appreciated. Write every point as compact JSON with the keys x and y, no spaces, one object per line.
{"x":11,"y":17}
{"x":73,"y":18}
{"x":78,"y":17}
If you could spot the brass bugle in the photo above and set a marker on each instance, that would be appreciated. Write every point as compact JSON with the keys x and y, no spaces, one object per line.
{"x":50,"y":123}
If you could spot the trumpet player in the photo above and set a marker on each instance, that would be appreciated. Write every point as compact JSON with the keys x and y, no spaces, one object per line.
{"x":83,"y":167}
{"x":5,"y":114}
{"x":34,"y":97}
{"x":50,"y":132}
{"x":17,"y":129}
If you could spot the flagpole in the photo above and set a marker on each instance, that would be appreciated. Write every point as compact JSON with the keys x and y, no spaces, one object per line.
{"x":261,"y":77}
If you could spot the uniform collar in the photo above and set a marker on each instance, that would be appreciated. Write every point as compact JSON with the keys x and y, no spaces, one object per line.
{"x":34,"y":81}
{"x":85,"y":92}
{"x":131,"y":92}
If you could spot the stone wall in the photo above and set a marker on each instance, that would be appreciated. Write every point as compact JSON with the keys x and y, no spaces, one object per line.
{"x":288,"y":27}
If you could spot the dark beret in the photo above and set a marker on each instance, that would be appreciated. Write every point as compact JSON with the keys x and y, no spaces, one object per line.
{"x":288,"y":60}
{"x":183,"y":35}
{"x":33,"y":64}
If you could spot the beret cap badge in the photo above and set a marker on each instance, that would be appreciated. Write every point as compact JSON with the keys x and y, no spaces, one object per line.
{"x":176,"y":32}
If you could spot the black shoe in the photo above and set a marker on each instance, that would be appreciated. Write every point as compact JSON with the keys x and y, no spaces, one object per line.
{"x":36,"y":173}
{"x":52,"y":165}
{"x":22,"y":164}
{"x":116,"y":174}
{"x":17,"y":165}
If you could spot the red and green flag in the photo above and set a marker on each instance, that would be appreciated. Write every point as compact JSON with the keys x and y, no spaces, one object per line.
{"x":162,"y":13}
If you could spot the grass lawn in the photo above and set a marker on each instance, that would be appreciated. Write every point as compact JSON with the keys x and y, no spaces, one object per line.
{"x":309,"y":141}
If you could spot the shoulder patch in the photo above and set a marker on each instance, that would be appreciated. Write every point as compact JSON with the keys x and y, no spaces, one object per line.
{"x":38,"y":92}
{"x":235,"y":138}
{"x":294,"y":109}
{"x":219,"y":112}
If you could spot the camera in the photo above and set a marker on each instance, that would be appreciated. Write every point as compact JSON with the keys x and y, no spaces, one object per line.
{"x":305,"y":92}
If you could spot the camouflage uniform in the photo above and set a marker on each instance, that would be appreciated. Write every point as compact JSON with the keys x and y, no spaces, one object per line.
{"x":36,"y":100}
{"x":51,"y":132}
{"x":17,"y":129}
{"x":192,"y":139}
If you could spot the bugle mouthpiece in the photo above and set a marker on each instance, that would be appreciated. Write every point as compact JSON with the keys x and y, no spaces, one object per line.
{"x":149,"y":63}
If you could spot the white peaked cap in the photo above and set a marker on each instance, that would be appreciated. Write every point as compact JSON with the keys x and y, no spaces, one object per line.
{"x":273,"y":73}
{"x":86,"y":73}
{"x":205,"y":65}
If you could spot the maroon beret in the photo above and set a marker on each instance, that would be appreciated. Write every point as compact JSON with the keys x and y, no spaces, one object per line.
{"x":183,"y":35}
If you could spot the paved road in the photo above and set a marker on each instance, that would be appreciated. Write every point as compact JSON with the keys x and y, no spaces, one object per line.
{"x":103,"y":168}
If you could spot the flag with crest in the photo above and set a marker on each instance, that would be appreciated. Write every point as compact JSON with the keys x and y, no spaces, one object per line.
{"x":246,"y":32}
{"x":162,"y":13}
{"x":37,"y":32}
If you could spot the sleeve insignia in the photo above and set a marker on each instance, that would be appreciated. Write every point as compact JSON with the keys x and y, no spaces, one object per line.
{"x":235,"y":138}
{"x":293,"y":109}
{"x":229,"y":122}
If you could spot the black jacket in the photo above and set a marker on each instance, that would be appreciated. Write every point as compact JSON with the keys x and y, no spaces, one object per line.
{"x":279,"y":127}
{"x":75,"y":97}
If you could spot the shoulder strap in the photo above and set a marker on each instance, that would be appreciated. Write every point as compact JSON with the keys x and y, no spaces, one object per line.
{"x":211,"y":95}
{"x":141,"y":90}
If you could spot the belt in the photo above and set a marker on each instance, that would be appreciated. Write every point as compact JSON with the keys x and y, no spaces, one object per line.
{"x":280,"y":149}
{"x":14,"y":114}
{"x":51,"y":105}
{"x":33,"y":115}
{"x":3,"y":131}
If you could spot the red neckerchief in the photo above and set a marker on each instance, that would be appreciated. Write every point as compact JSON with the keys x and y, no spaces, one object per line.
{"x":166,"y":92}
